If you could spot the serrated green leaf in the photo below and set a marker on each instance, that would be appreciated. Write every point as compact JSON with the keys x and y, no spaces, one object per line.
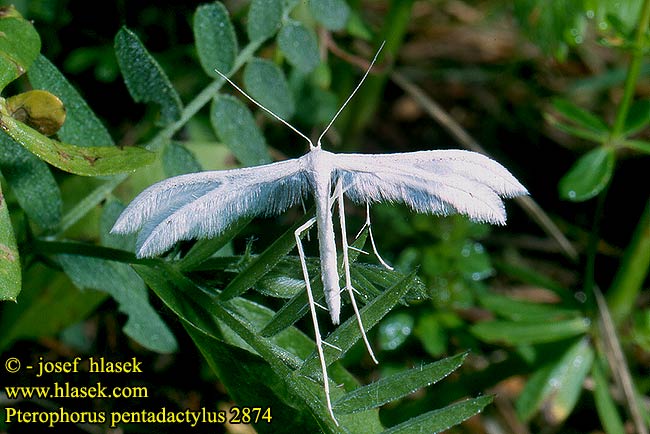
{"x":348,"y":333}
{"x":9,"y":260}
{"x":638,"y":117}
{"x":556,"y":386}
{"x":397,"y":385}
{"x":178,"y":160}
{"x":19,"y":45}
{"x":266,"y":83}
{"x":32,"y":182}
{"x":332,"y":14}
{"x":580,"y":116}
{"x":214,"y":35}
{"x":518,"y":333}
{"x":87,"y":161}
{"x":144,"y":78}
{"x":440,"y":420}
{"x":264,"y":19}
{"x":589,"y":175}
{"x":81,"y":126}
{"x":144,"y":325}
{"x":235,"y":126}
{"x":47,"y":304}
{"x":299,"y":45}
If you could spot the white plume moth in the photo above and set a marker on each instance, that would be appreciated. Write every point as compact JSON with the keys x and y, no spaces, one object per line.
{"x":202,"y":205}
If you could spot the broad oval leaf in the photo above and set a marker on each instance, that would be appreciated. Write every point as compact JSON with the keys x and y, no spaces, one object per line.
{"x":31,"y":182}
{"x":9,"y":260}
{"x":440,"y":420}
{"x":588,"y":176}
{"x":178,"y":160}
{"x":264,"y":18}
{"x":638,"y":117}
{"x":144,"y":78}
{"x":299,"y":45}
{"x":81,"y":126}
{"x":267,"y":84}
{"x":580,"y":116}
{"x":519,"y":332}
{"x":19,"y":45}
{"x":397,"y":386}
{"x":234,"y":125}
{"x":87,"y":161}
{"x":214,"y":35}
{"x":332,"y":14}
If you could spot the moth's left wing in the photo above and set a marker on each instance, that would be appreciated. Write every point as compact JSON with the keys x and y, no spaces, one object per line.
{"x":204,"y":204}
{"x":436,"y":182}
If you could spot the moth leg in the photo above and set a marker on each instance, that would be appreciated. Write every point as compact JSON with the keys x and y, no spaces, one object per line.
{"x":346,"y":266}
{"x":372,"y":238}
{"x":312,"y":308}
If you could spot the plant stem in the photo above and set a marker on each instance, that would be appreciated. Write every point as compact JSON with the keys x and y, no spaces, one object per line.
{"x":632,"y":272}
{"x":633,"y":73}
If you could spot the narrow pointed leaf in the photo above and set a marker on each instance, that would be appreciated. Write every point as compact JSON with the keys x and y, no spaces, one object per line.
{"x":397,"y":385}
{"x":264,"y":18}
{"x":234,"y":125}
{"x":144,"y":78}
{"x":605,"y":405}
{"x":299,"y":45}
{"x":81,"y":126}
{"x":580,"y":116}
{"x":440,"y":420}
{"x":347,"y":334}
{"x":215,"y":38}
{"x":32,"y":182}
{"x":19,"y":45}
{"x":638,"y":145}
{"x":87,"y":161}
{"x":332,"y":14}
{"x":267,"y":84}
{"x":9,"y":260}
{"x":589,"y":175}
{"x":519,"y":332}
{"x":518,"y":310}
{"x":577,"y":131}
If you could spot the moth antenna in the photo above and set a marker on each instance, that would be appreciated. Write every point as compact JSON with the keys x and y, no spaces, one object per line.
{"x":374,"y":59}
{"x":294,"y":129}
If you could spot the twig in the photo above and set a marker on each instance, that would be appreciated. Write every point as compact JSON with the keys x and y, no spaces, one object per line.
{"x":467,"y":141}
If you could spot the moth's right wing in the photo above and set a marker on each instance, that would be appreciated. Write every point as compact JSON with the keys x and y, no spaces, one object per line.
{"x":204,"y":204}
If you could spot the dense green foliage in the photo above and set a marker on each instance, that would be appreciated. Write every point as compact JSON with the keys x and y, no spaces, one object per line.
{"x":510,"y":312}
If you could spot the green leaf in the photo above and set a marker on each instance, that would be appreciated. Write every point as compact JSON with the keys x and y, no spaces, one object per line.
{"x":215,"y":38}
{"x":589,"y":175}
{"x":557,"y":386}
{"x":178,"y":160}
{"x":87,"y":161}
{"x":19,"y":45}
{"x":440,"y":420}
{"x":332,"y":14}
{"x":637,"y":118}
{"x":47,"y":304}
{"x":300,"y":46}
{"x":144,"y":325}
{"x":144,"y":78}
{"x":264,"y":19}
{"x":518,"y":310}
{"x":638,"y":145}
{"x":397,"y":386}
{"x":517,"y":333}
{"x":605,"y":405}
{"x":9,"y":260}
{"x":395,"y":330}
{"x":235,"y":126}
{"x":580,"y":132}
{"x":580,"y":116}
{"x":81,"y":126}
{"x":32,"y":182}
{"x":267,"y":84}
